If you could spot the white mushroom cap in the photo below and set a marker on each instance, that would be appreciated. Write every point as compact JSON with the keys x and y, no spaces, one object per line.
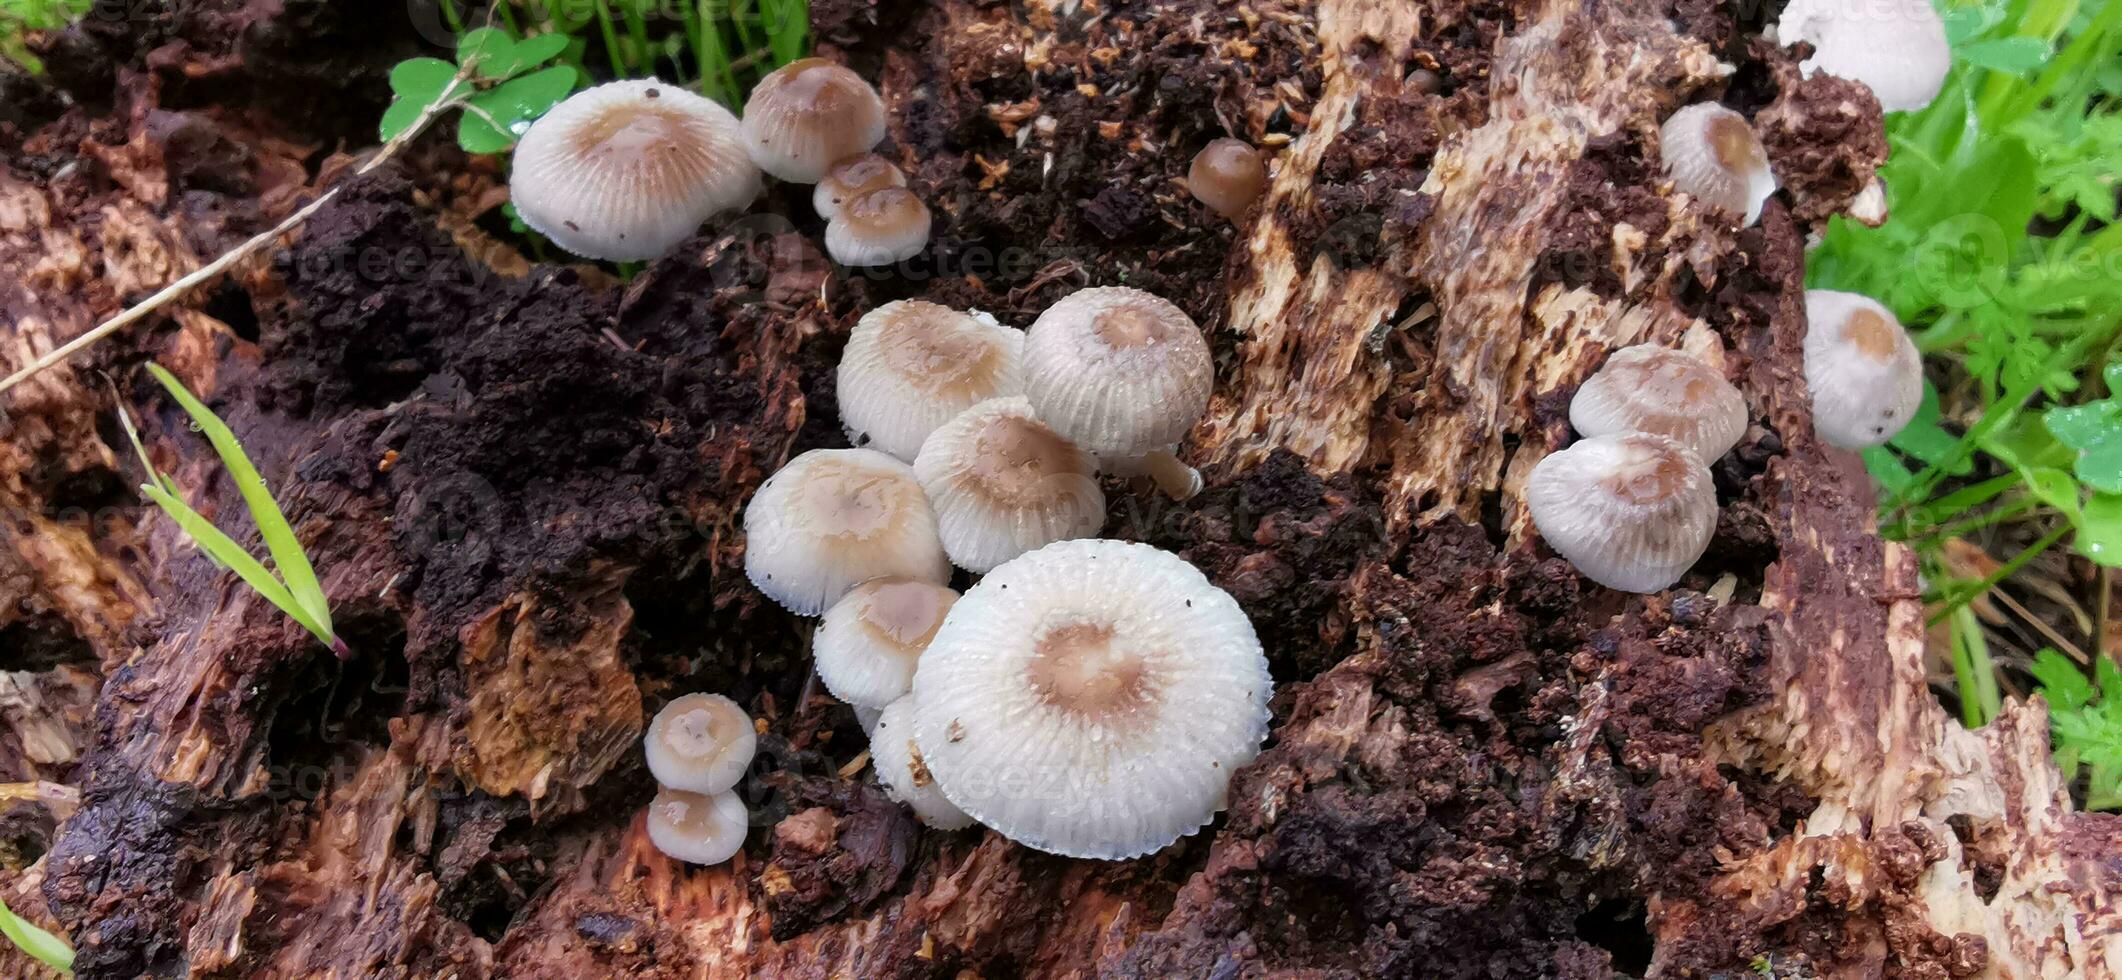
{"x":867,"y":717}
{"x":1092,"y":699}
{"x":834,"y":518}
{"x":1631,"y":512}
{"x":1897,"y":48}
{"x":881,"y":227}
{"x":1865,"y":374}
{"x":1117,"y":371}
{"x":808,"y":114}
{"x":869,"y":641}
{"x":700,"y":743}
{"x":851,"y":178}
{"x":904,"y":774}
{"x":1648,"y":388}
{"x":1714,"y":157}
{"x":1004,"y":483}
{"x":911,"y":366}
{"x":626,"y":170}
{"x":700,"y":828}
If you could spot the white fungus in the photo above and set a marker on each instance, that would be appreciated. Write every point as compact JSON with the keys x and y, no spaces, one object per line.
{"x":626,"y":170}
{"x":903,"y":772}
{"x":1004,"y":483}
{"x":809,"y":114}
{"x":868,"y":643}
{"x":1631,"y":512}
{"x":1648,"y":388}
{"x":881,"y":227}
{"x":910,"y":366}
{"x":1713,"y":156}
{"x":1865,"y":374}
{"x":699,"y":828}
{"x":1897,"y":48}
{"x":834,"y":518}
{"x":700,"y":743}
{"x":1117,"y":371}
{"x":851,"y":178}
{"x":1092,"y":699}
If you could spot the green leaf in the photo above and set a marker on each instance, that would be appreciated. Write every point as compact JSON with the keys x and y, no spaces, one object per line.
{"x":2062,"y":683}
{"x":2095,"y":431}
{"x":230,"y":555}
{"x":49,"y":949}
{"x":1925,"y":440}
{"x":2011,"y":55}
{"x":535,"y":51}
{"x":400,"y":117}
{"x":495,"y":119}
{"x":422,"y":79}
{"x":279,"y":538}
{"x":2100,"y":530}
{"x":490,"y":52}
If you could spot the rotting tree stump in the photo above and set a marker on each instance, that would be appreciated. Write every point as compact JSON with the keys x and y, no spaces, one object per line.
{"x":522,"y":483}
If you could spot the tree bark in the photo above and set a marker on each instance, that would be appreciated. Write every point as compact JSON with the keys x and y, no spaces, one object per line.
{"x":522,"y":486}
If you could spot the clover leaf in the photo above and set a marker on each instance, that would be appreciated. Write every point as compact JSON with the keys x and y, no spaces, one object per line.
{"x":2094,"y":429}
{"x":495,"y":81}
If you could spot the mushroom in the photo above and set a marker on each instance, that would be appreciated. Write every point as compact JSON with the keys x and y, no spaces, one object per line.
{"x":867,"y":717}
{"x":902,"y":772}
{"x":807,"y":114}
{"x":1004,"y":483}
{"x":834,"y":518}
{"x":869,"y":641}
{"x":1631,"y":512}
{"x":851,"y":178}
{"x":1121,"y":373}
{"x":1897,"y":48}
{"x":1092,"y":699}
{"x":1865,"y":374}
{"x":910,"y":366}
{"x":881,"y":227}
{"x":1714,"y":157}
{"x":1648,"y":388}
{"x":700,"y":743}
{"x":698,"y":827}
{"x":626,"y":170}
{"x":1228,"y":176}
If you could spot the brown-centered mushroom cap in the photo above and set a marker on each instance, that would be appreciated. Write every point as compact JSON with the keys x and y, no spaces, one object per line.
{"x":1631,"y":512}
{"x":808,"y":114}
{"x":1648,"y":388}
{"x":834,"y":518}
{"x":1117,"y":371}
{"x":911,"y":365}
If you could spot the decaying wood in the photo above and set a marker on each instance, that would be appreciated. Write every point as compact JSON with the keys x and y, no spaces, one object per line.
{"x":522,"y":491}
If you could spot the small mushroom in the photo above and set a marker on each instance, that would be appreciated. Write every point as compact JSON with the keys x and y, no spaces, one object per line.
{"x":1865,"y":374}
{"x":806,"y":115}
{"x":1897,"y":48}
{"x":1004,"y":483}
{"x":700,"y":743}
{"x":910,"y":366}
{"x":851,"y":178}
{"x":626,"y":170}
{"x":1117,"y":371}
{"x":1228,"y":175}
{"x":868,"y":643}
{"x":902,"y":772}
{"x":1714,"y":157}
{"x":1631,"y":512}
{"x":881,"y":227}
{"x":1648,"y":388}
{"x":1092,"y":699}
{"x":834,"y":518}
{"x":698,"y":827}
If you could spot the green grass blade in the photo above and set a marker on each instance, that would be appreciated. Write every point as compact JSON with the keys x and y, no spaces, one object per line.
{"x":231,"y":555}
{"x":50,"y":950}
{"x":280,"y":541}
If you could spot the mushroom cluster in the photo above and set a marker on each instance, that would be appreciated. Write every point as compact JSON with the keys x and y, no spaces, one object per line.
{"x":626,"y":170}
{"x":698,"y":748}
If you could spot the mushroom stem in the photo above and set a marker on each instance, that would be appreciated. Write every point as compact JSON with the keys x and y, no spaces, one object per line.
{"x":1178,"y":480}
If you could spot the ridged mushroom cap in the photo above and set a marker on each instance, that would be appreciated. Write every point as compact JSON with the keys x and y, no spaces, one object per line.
{"x":700,"y":743}
{"x":904,"y":773}
{"x":881,"y":227}
{"x":834,"y":518}
{"x":1897,"y":48}
{"x":1648,"y":388}
{"x":1092,"y":699}
{"x":699,"y":828}
{"x":1004,"y":483}
{"x":807,"y":115}
{"x":868,"y":643}
{"x":851,"y":178}
{"x":1228,"y":175}
{"x":1631,"y":512}
{"x":910,"y":366}
{"x":1117,"y":371}
{"x":626,"y":170}
{"x":1713,"y":156}
{"x":1865,"y":374}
